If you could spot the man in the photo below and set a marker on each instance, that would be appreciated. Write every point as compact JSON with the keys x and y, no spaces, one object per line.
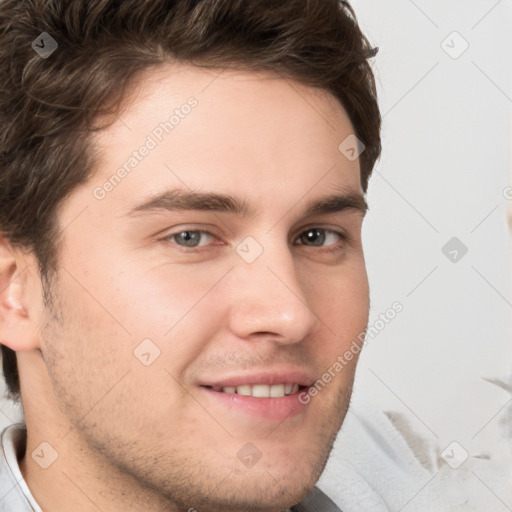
{"x":182,"y":194}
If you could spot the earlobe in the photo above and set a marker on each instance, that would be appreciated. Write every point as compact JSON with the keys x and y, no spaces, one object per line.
{"x":16,"y":325}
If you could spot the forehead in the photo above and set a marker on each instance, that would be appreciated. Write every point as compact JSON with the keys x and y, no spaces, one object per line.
{"x":170,"y":85}
{"x":250,"y":133}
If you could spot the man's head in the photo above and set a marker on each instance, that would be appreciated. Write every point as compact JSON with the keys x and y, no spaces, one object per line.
{"x":150,"y":123}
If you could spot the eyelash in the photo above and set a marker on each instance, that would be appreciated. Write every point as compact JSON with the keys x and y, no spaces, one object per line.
{"x":332,"y":248}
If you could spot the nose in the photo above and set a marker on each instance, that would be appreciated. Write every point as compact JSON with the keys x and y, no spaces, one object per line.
{"x":270,"y":300}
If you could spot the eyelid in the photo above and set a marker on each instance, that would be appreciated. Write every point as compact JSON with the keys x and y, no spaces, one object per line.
{"x":210,"y":230}
{"x":168,"y":237}
{"x":338,"y":230}
{"x":342,"y":234}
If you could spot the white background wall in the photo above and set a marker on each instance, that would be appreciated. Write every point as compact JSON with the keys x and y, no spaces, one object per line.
{"x":446,"y":164}
{"x":444,"y":170}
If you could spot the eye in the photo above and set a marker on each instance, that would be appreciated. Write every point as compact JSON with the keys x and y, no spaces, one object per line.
{"x":313,"y":237}
{"x":317,"y":237}
{"x":189,"y":238}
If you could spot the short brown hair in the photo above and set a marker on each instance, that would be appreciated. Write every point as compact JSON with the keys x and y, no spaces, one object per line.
{"x":48,"y":105}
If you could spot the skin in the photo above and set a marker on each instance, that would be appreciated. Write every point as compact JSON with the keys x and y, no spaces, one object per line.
{"x":132,"y":437}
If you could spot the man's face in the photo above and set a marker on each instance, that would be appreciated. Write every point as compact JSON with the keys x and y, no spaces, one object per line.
{"x":149,"y":312}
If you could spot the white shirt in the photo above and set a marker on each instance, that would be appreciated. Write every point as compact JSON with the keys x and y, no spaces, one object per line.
{"x":15,"y":495}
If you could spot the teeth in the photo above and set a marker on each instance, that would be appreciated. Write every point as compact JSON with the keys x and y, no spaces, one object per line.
{"x":260,"y":390}
{"x":244,"y":390}
{"x":276,"y":391}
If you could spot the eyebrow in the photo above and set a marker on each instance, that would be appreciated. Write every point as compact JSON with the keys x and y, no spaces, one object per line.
{"x":183,"y":200}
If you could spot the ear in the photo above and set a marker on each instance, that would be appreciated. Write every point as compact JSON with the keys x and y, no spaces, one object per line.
{"x":17,"y":319}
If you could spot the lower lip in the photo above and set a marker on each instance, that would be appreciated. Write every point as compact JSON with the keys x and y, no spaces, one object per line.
{"x":274,"y":409}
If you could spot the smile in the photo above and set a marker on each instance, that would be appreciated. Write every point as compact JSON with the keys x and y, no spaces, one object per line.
{"x":259,"y":390}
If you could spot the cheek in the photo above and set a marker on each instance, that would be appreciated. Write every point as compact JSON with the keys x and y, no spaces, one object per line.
{"x":153,"y":292}
{"x":150,"y":320}
{"x":97,"y":369}
{"x":85,"y":347}
{"x":344,"y":309}
{"x":173,"y":307}
{"x":340,"y":298}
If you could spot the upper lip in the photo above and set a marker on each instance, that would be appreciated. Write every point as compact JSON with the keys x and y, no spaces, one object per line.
{"x":269,"y":377}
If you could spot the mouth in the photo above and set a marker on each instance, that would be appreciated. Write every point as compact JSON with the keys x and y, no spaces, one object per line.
{"x":260,"y":390}
{"x":274,"y":403}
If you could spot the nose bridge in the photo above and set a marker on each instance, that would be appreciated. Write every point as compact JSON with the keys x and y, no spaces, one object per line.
{"x":271,"y":297}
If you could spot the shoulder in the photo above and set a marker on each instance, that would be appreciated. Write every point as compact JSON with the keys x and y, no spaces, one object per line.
{"x":316,"y":501}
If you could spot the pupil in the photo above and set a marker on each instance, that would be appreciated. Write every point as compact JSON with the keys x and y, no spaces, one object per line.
{"x":316,"y":236}
{"x":189,"y":237}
